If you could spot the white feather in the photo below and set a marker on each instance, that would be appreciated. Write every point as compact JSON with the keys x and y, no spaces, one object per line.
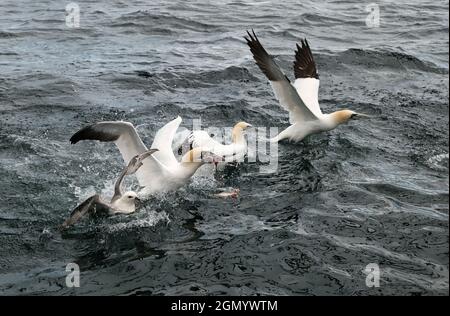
{"x":308,"y":89}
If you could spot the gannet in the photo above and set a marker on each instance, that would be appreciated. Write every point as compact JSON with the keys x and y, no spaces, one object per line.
{"x":301,"y":98}
{"x":161,"y":172}
{"x":235,"y":151}
{"x":121,"y":203}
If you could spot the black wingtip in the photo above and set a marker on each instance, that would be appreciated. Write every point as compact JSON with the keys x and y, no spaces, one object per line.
{"x":305,"y":43}
{"x":93,"y":133}
{"x":304,"y":65}
{"x":74,"y":139}
{"x":80,"y":134}
{"x":251,"y":36}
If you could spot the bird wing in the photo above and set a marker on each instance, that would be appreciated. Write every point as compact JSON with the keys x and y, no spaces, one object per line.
{"x":284,"y":91}
{"x":180,"y":139}
{"x":87,"y":207}
{"x":306,"y":77}
{"x":122,"y":133}
{"x":204,"y":140}
{"x":129,"y":143}
{"x":133,"y":166}
{"x":163,"y":141}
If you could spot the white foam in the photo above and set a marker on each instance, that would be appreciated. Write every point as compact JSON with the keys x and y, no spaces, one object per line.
{"x":438,"y":162}
{"x":152,"y":218}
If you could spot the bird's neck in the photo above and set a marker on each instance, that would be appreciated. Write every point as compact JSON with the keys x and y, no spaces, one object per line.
{"x":189,"y":164}
{"x":334,"y":119}
{"x":339,"y":117}
{"x":237,"y":136}
{"x":187,"y":169}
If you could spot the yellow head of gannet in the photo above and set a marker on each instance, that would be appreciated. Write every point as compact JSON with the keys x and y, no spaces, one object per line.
{"x":237,"y":135}
{"x":343,"y":116}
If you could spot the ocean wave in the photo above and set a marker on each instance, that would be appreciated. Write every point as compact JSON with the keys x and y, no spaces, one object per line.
{"x":369,"y":191}
{"x":378,"y":60}
{"x":146,"y":22}
{"x":172,"y":80}
{"x":4,"y":34}
{"x":151,"y":219}
{"x":439,"y":162}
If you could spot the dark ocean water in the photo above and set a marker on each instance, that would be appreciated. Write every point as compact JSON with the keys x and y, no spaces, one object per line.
{"x":373,"y":191}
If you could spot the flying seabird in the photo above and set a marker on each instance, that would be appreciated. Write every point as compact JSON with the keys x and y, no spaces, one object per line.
{"x":121,"y":203}
{"x":301,"y":98}
{"x":161,"y":172}
{"x":235,"y":151}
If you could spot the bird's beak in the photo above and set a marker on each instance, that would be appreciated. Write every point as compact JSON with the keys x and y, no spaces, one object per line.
{"x":361,"y":115}
{"x":216,"y":160}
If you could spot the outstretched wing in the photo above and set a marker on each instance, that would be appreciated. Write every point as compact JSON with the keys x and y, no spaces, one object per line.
{"x":282,"y":87}
{"x":163,"y":141}
{"x":123,"y":134}
{"x":89,"y":206}
{"x":307,"y":78}
{"x":129,"y":143}
{"x":133,"y":166}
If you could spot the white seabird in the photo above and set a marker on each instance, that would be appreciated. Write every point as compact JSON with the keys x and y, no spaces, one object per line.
{"x":235,"y":151}
{"x":161,"y":172}
{"x":121,"y":203}
{"x":301,"y":98}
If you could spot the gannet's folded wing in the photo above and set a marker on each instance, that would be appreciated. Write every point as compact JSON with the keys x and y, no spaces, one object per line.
{"x":307,"y":78}
{"x":282,"y":87}
{"x":204,"y":140}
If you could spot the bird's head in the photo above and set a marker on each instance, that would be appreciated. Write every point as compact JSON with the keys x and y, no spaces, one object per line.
{"x":127,"y":202}
{"x":238,"y":129}
{"x":343,"y":116}
{"x":242,"y":126}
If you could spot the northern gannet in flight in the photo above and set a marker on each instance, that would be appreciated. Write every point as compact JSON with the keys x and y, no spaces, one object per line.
{"x":161,"y":172}
{"x":301,"y":98}
{"x":235,"y":151}
{"x":121,"y":203}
